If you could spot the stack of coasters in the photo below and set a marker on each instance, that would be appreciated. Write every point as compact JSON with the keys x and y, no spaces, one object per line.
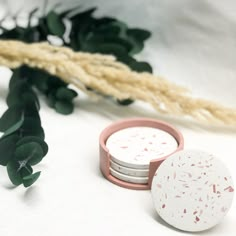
{"x":192,"y":190}
{"x":131,"y":150}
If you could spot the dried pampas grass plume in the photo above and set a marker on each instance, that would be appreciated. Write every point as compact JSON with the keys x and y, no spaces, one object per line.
{"x":109,"y":77}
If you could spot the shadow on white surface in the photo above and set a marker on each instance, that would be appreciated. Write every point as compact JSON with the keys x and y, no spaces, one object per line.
{"x":113,"y":111}
{"x":31,"y":196}
{"x":9,"y":187}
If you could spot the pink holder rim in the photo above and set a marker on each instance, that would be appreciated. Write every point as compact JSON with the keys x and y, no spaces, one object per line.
{"x":154,"y":164}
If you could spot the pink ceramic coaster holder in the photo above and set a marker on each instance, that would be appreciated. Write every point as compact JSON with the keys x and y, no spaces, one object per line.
{"x":154,"y":164}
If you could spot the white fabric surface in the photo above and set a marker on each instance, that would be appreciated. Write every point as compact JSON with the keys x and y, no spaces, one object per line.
{"x":193,"y":44}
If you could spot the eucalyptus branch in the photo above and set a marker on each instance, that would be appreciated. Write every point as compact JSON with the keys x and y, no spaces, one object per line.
{"x":86,"y":33}
{"x":22,"y":144}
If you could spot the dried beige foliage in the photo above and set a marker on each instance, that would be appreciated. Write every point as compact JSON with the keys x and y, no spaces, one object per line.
{"x":109,"y":77}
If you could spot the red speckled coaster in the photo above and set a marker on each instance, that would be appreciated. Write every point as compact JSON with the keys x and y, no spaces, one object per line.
{"x":192,"y":190}
{"x":135,"y":147}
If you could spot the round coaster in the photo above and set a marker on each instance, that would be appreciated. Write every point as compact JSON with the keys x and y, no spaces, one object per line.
{"x":192,"y":190}
{"x":128,"y":178}
{"x":129,"y":171}
{"x":105,"y":156}
{"x":135,"y":147}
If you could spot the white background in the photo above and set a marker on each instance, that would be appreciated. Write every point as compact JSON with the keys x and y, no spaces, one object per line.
{"x":193,"y":44}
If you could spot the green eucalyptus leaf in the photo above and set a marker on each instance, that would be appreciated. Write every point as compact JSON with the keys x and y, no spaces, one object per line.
{"x":108,"y":30}
{"x":64,"y":93}
{"x":103,"y":39}
{"x":125,"y":102}
{"x":31,"y":111}
{"x":31,"y":123}
{"x":26,"y":170}
{"x":40,"y":79}
{"x":32,"y":127}
{"x":7,"y":148}
{"x":104,"y":21}
{"x":55,"y":24}
{"x":123,"y":28}
{"x":10,"y":117}
{"x":26,"y":72}
{"x":37,"y":131}
{"x":42,"y":29}
{"x":137,"y":47}
{"x":64,"y":107}
{"x":55,"y":82}
{"x":34,"y":76}
{"x":83,"y":29}
{"x":15,"y":94}
{"x":137,"y":37}
{"x":30,"y":34}
{"x":18,"y":84}
{"x":42,"y":85}
{"x":117,"y":50}
{"x":31,"y":153}
{"x":30,"y":99}
{"x":13,"y":170}
{"x":141,"y":67}
{"x":30,"y":179}
{"x":15,"y":78}
{"x":139,"y":34}
{"x":74,"y":42}
{"x":20,"y":91}
{"x":15,"y":33}
{"x":110,"y":48}
{"x":21,"y":75}
{"x":14,"y":127}
{"x":51,"y":99}
{"x":125,"y":58}
{"x":22,"y":95}
{"x":30,"y":139}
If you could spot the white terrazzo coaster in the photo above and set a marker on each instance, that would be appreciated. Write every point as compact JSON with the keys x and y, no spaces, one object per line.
{"x":128,"y":178}
{"x":192,"y":190}
{"x":135,"y":147}
{"x":129,"y":171}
